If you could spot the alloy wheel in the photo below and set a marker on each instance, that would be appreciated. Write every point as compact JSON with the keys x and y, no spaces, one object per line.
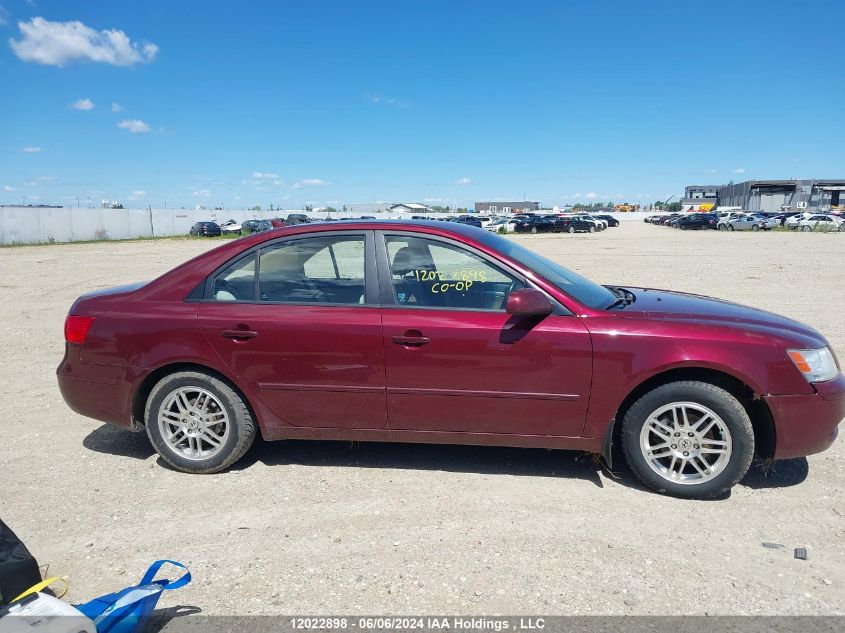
{"x":686,"y":443}
{"x":193,"y":423}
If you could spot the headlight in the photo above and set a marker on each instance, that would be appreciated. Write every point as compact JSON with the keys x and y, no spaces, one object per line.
{"x":817,"y":365}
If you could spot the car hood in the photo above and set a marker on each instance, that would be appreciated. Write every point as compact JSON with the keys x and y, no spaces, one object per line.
{"x":668,"y":305}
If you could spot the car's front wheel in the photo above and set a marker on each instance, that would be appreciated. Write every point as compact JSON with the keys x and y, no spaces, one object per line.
{"x":571,"y":228}
{"x":688,"y":439}
{"x":807,"y":228}
{"x":198,"y":423}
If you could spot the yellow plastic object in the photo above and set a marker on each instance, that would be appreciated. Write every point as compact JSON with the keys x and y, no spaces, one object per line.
{"x":43,"y":585}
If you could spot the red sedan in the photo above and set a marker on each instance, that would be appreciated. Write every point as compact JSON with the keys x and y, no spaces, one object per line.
{"x":440,"y":332}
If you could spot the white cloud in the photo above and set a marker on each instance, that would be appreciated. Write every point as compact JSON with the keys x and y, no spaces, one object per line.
{"x":592,"y":195}
{"x":263,"y":175}
{"x":619,"y":196}
{"x":739,"y":170}
{"x":116,"y":107}
{"x":30,"y":184}
{"x":57,"y":43}
{"x":30,"y":149}
{"x":713,"y":171}
{"x":463,"y":181}
{"x":310,"y":182}
{"x":391,"y":101}
{"x":8,"y":188}
{"x":45,"y":178}
{"x":4,"y":17}
{"x":82,"y":104}
{"x":138,"y":194}
{"x":136,"y":126}
{"x":202,"y":193}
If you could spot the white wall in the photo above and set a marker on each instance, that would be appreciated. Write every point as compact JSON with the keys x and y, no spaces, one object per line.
{"x":33,"y":225}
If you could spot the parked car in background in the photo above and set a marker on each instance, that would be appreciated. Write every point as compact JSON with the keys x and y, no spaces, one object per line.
{"x":792,"y":220}
{"x":298,"y":218}
{"x":508,"y":225}
{"x":278,"y":223}
{"x":255,"y":226}
{"x":468,"y":338}
{"x":536,"y":224}
{"x":575,"y":224}
{"x":666,"y":220}
{"x":469,"y":220}
{"x":747,"y":222}
{"x":206,"y":229}
{"x":823,"y":222}
{"x":696,"y":221}
{"x":609,"y":219}
{"x":652,"y":219}
{"x":601,"y":224}
{"x":230,"y":226}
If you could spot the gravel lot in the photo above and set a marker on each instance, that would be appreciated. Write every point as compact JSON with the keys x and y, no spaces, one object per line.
{"x":339,"y":528}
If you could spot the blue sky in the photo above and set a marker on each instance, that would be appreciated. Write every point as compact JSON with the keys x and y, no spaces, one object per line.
{"x":242,"y":103}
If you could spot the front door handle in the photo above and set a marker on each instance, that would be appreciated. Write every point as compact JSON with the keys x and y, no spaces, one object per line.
{"x":411,"y":341}
{"x":239,"y":335}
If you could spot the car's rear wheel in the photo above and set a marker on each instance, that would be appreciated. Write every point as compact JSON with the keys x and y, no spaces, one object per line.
{"x":571,"y":228}
{"x":592,"y":228}
{"x":807,"y":228}
{"x":688,"y":439}
{"x":730,"y":227}
{"x":534,"y":230}
{"x":755,"y":227}
{"x":198,"y":423}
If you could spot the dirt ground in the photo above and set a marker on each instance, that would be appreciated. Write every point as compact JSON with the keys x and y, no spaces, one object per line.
{"x":339,"y":528}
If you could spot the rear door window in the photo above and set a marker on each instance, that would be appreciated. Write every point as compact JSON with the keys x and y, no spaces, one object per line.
{"x":325,"y":269}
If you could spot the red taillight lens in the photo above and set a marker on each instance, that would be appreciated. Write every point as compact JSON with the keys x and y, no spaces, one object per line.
{"x":76,"y":328}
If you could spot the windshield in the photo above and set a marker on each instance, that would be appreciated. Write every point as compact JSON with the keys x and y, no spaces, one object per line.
{"x":580,"y":288}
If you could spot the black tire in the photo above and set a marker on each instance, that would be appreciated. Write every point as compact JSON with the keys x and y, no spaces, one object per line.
{"x":731,"y":227}
{"x":242,"y":426}
{"x":571,"y":228}
{"x":726,"y":406}
{"x":755,"y":227}
{"x":683,"y":227}
{"x":592,"y":228}
{"x":534,"y":230}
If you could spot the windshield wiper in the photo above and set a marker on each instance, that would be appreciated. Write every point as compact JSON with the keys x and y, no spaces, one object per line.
{"x":624,"y":297}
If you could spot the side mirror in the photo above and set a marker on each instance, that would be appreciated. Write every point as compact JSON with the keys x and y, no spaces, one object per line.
{"x":528,"y":302}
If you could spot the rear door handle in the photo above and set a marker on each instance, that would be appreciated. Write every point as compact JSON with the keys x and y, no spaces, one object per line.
{"x":411,"y":341}
{"x":239,"y":335}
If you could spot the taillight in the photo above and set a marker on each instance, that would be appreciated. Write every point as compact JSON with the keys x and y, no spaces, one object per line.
{"x":76,"y":328}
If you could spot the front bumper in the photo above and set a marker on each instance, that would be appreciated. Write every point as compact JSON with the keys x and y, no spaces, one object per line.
{"x":808,"y":424}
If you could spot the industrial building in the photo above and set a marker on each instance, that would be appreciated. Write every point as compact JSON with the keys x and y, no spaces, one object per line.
{"x":697,"y":195}
{"x":768,"y":195}
{"x":778,"y":195}
{"x":506,"y":207}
